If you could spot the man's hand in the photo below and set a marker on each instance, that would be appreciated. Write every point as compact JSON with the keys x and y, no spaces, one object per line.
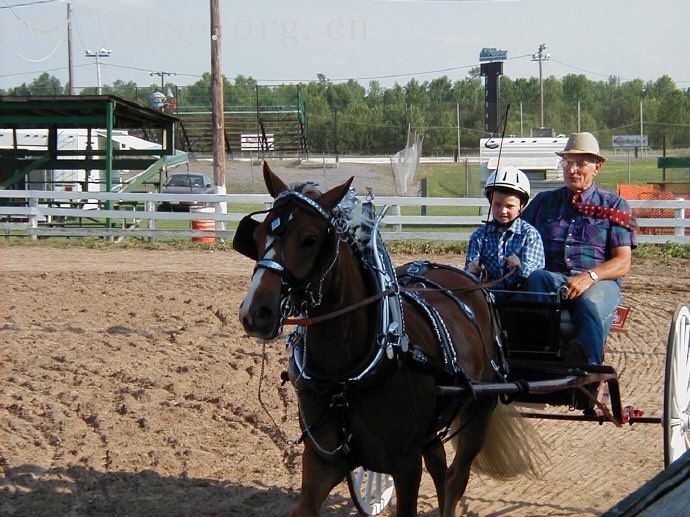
{"x":577,"y":285}
{"x":474,"y":268}
{"x":513,"y":262}
{"x":615,"y":267}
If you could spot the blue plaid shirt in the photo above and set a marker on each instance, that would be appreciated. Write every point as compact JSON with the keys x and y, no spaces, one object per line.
{"x":575,"y":242}
{"x":520,"y":239}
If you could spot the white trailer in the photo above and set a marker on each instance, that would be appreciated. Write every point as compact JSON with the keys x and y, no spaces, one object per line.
{"x":71,"y":140}
{"x":535,"y":156}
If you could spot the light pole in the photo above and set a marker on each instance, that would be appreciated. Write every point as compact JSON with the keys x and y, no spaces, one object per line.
{"x":162,"y":76}
{"x":103,"y":52}
{"x":541,"y":56}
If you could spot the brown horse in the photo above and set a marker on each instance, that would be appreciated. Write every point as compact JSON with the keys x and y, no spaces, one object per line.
{"x":358,"y":405}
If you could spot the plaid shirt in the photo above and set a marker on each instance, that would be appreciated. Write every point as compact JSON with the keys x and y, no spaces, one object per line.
{"x":575,"y":242}
{"x":494,"y":245}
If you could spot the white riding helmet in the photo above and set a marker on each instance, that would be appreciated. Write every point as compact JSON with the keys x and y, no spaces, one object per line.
{"x":509,"y":178}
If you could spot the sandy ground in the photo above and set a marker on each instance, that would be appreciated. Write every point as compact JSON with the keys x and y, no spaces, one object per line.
{"x":129,"y":388}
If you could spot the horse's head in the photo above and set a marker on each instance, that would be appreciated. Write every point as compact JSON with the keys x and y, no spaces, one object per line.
{"x":295,"y":247}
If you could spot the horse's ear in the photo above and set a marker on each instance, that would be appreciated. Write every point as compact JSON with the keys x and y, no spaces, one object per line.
{"x":331,"y":198}
{"x":273,"y":183}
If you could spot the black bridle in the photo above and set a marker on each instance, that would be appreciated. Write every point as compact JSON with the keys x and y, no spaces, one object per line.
{"x":298,"y":295}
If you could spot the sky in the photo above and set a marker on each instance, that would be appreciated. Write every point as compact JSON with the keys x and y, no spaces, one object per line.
{"x":285,"y":41}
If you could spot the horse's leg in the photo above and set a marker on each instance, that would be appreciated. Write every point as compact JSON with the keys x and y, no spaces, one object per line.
{"x":407,"y":477}
{"x":470,"y":441}
{"x":318,"y":479}
{"x":435,"y":461}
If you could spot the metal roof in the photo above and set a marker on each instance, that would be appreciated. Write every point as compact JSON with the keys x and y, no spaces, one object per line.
{"x":78,"y":111}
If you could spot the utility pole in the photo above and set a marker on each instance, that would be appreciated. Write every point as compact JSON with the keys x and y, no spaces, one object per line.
{"x":98,"y":54}
{"x":162,"y":76}
{"x":578,"y":116}
{"x":541,"y":56}
{"x":70,"y":64}
{"x":217,"y":108}
{"x":335,"y":128}
{"x":641,"y":128}
{"x":457,"y":118}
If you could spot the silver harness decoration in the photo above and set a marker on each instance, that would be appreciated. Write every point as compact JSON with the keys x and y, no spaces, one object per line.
{"x":390,"y":335}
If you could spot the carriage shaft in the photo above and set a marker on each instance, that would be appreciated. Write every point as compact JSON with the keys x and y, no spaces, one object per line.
{"x":547,"y":386}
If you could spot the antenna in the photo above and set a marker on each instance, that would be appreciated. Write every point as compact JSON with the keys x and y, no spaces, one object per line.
{"x":498,"y":166}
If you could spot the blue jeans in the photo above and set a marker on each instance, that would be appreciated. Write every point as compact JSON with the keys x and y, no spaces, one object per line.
{"x":592,"y":312}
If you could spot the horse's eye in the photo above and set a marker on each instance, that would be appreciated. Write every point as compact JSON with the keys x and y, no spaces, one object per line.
{"x":309,"y":241}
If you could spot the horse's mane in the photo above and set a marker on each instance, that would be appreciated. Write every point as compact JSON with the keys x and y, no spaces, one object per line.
{"x":350,"y":209}
{"x":308,"y":188}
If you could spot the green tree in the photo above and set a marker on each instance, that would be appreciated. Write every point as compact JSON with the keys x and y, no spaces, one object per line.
{"x":44,"y":84}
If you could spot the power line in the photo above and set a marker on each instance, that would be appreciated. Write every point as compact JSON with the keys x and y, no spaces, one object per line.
{"x":584,"y":70}
{"x":43,"y":71}
{"x":76,"y":26}
{"x":29,"y":27}
{"x":10,"y":7}
{"x":600,"y":74}
{"x":24,"y":58}
{"x":149,"y":70}
{"x":7,"y":6}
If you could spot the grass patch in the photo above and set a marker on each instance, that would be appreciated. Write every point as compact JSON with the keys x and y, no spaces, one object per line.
{"x":426,"y":247}
{"x":103,"y":243}
{"x":450,"y":179}
{"x":670,"y":250}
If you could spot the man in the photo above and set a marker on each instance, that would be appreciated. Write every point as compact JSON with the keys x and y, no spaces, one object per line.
{"x":588,"y":240}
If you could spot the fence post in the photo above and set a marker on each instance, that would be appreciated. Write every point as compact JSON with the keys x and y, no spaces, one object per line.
{"x":424,"y":192}
{"x":33,"y":218}
{"x":150,"y":206}
{"x":396,"y":210}
{"x":467,"y":177}
{"x":221,"y":208}
{"x":680,"y":215}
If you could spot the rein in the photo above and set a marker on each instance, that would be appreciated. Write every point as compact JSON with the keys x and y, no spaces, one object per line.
{"x":371,"y":299}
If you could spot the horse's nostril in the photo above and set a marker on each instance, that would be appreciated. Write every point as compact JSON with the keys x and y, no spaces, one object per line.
{"x":263,"y":313}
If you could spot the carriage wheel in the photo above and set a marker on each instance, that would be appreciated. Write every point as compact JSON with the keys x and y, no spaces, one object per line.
{"x":370,"y":491}
{"x":677,"y":387}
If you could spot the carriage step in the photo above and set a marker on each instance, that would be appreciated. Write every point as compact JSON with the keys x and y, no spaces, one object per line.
{"x":550,"y":368}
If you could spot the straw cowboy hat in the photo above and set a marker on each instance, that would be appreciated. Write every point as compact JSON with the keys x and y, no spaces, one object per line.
{"x":582,"y":143}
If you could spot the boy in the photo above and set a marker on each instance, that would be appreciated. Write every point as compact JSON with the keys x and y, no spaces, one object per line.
{"x":507,"y":242}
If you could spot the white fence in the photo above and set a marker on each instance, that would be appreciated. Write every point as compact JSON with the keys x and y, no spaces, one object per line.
{"x":44,"y":214}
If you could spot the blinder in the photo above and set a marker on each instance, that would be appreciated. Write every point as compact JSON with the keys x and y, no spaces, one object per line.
{"x":278,"y":218}
{"x":243,"y":241}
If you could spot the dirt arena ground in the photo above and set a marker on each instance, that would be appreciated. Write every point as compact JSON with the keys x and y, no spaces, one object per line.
{"x":129,"y":388}
{"x":246,"y":177}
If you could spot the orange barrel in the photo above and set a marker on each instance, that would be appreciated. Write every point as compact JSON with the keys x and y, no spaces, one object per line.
{"x":203,"y":224}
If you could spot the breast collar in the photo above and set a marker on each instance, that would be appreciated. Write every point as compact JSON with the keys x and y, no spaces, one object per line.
{"x":387,"y":338}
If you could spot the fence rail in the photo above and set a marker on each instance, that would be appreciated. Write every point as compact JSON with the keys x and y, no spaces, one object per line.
{"x":36,"y":213}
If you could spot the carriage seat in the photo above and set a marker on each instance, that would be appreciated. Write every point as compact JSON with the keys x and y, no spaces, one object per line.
{"x":540,"y":325}
{"x":536,"y":325}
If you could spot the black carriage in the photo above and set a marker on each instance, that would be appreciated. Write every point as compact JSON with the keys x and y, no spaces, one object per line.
{"x":537,"y":328}
{"x":519,"y":348}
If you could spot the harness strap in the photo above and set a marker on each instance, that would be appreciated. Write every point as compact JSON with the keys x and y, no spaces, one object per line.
{"x":318,"y":319}
{"x":371,"y":299}
{"x":269,"y":264}
{"x":443,"y":337}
